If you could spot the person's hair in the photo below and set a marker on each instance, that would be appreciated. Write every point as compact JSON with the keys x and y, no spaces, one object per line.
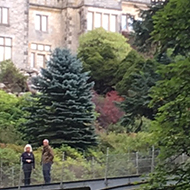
{"x":28,"y":145}
{"x":46,"y":140}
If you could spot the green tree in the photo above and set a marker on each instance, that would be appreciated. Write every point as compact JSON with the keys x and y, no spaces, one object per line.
{"x":11,"y":117}
{"x":102,"y":52}
{"x":62,"y":110}
{"x":171,"y":127}
{"x":139,"y":77}
{"x":143,"y":28}
{"x":14,"y":80}
{"x":172,"y":27}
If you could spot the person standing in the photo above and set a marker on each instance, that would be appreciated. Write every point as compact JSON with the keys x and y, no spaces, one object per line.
{"x":28,"y":162}
{"x":47,"y":161}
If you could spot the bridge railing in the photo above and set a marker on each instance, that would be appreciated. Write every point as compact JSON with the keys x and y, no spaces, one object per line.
{"x":109,"y":165}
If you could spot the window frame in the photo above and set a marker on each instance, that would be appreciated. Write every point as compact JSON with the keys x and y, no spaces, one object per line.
{"x":95,"y":19}
{"x":35,"y":52}
{"x":127,"y":16}
{"x":111,"y":22}
{"x":40,"y":27}
{"x":103,"y":21}
{"x":92,"y":21}
{"x":1,"y":15}
{"x":4,"y":46}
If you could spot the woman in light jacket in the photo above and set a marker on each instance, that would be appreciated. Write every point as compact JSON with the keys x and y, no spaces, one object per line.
{"x":28,"y":162}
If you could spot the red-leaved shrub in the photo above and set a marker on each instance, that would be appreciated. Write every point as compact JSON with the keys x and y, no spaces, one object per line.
{"x":106,"y":106}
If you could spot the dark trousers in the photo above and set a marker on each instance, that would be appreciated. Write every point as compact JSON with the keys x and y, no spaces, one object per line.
{"x":27,"y":168}
{"x":47,"y":172}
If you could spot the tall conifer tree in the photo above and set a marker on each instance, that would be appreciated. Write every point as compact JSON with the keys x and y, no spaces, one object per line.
{"x":62,"y":110}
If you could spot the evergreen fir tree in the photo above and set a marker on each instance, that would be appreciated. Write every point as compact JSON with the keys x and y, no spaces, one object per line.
{"x":136,"y":102}
{"x":62,"y":111}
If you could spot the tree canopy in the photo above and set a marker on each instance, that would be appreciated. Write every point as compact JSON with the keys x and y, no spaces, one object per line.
{"x":139,"y":77}
{"x":102,"y":52}
{"x":11,"y":117}
{"x":171,"y":127}
{"x":171,"y":27}
{"x":141,"y":36}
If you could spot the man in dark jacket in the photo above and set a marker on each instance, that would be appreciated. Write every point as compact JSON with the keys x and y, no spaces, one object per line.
{"x":47,"y":161}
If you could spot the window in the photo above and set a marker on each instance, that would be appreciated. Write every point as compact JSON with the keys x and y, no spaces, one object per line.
{"x":41,"y":23}
{"x":98,"y":20}
{"x":89,"y":21}
{"x":127,"y":23}
{"x":124,"y":22}
{"x":39,"y":55}
{"x":105,"y":20}
{"x":41,"y":47}
{"x":34,"y":46}
{"x":105,"y":23}
{"x":5,"y":48}
{"x":4,"y":15}
{"x":32,"y":63}
{"x":41,"y":60}
{"x":113,"y":23}
{"x":47,"y":48}
{"x":38,"y":60}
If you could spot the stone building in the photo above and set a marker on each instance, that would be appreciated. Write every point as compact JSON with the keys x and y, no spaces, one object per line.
{"x":29,"y":29}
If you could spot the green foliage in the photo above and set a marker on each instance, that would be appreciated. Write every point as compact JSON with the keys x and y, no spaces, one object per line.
{"x":9,"y":156}
{"x":14,"y":80}
{"x":171,"y":27}
{"x":11,"y":117}
{"x":127,"y":142}
{"x":171,"y":127}
{"x":132,"y":63}
{"x":102,"y":52}
{"x":143,"y":29}
{"x":140,"y":75}
{"x":63,"y":111}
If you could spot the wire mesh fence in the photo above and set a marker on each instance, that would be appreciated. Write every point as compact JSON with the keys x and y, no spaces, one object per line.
{"x":109,"y":165}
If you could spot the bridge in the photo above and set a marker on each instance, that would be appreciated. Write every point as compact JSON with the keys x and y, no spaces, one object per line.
{"x":115,"y":183}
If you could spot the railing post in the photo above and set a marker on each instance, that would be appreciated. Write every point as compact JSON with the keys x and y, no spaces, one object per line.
{"x":183,"y":160}
{"x":20,"y":175}
{"x":137,"y":163}
{"x":106,"y":168}
{"x":152,"y":161}
{"x":62,"y":173}
{"x":1,"y":174}
{"x":13,"y":179}
{"x":93,"y":174}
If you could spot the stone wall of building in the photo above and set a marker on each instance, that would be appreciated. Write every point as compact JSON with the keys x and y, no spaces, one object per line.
{"x":72,"y":28}
{"x":67,"y":20}
{"x":54,"y":36}
{"x":133,"y":9}
{"x":107,"y":4}
{"x":17,"y":29}
{"x":48,"y":3}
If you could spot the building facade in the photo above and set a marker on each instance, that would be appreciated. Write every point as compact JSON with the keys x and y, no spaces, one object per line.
{"x":30,"y":29}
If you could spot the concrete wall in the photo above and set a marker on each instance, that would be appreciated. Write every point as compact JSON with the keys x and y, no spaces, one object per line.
{"x":17,"y":29}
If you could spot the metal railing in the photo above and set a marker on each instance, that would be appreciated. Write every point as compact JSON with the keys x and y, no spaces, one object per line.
{"x":109,"y":165}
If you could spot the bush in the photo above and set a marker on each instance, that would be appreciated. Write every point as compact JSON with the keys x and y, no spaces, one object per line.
{"x":14,"y":80}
